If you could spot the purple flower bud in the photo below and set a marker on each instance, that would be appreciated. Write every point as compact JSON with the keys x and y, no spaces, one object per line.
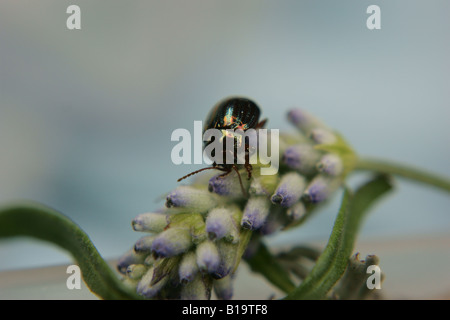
{"x":191,"y":198}
{"x":297,"y":211}
{"x":228,"y":186}
{"x":149,"y":222}
{"x":255,"y":213}
{"x":320,"y":188}
{"x":330,"y":164}
{"x":188,"y":267}
{"x":172,"y":242}
{"x":144,"y":244}
{"x":220,"y":224}
{"x":289,"y":189}
{"x":227,"y":253}
{"x":130,"y":257}
{"x":301,"y":157}
{"x":208,"y":258}
{"x":304,"y":120}
{"x":224,"y":288}
{"x":322,"y":136}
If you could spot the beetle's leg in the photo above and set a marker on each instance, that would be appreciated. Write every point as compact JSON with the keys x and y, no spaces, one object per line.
{"x":249,"y":169}
{"x":261,"y":124}
{"x":223,"y":175}
{"x":240,"y":180}
{"x":195,"y":172}
{"x":226,"y":169}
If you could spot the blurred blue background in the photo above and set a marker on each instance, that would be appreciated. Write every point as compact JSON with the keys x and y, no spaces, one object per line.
{"x":86,"y":115}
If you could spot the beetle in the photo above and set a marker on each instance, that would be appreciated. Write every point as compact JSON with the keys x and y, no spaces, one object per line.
{"x":232,"y":113}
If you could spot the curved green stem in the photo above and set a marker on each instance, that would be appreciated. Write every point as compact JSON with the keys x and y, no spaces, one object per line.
{"x":41,"y":222}
{"x":403,"y":171}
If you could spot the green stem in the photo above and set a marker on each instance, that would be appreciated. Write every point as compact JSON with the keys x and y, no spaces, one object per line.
{"x":403,"y":171}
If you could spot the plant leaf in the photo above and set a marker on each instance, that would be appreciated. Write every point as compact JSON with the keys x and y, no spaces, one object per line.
{"x":40,"y":222}
{"x":333,"y":261}
{"x":263,"y":262}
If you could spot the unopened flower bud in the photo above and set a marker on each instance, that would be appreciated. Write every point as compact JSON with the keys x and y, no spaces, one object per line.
{"x":304,"y":121}
{"x":330,"y":164}
{"x":322,"y":136}
{"x":228,"y":185}
{"x":289,"y":189}
{"x":144,"y":244}
{"x":320,"y":188}
{"x":224,"y":288}
{"x":227,"y":253}
{"x":130,"y":257}
{"x":149,"y":222}
{"x":191,"y":198}
{"x":188,"y":267}
{"x":255,"y":213}
{"x":172,"y":242}
{"x":220,"y":224}
{"x":301,"y":157}
{"x":208,"y":258}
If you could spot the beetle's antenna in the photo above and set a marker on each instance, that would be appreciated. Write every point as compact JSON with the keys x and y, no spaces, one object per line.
{"x":195,"y":172}
{"x":240,"y":181}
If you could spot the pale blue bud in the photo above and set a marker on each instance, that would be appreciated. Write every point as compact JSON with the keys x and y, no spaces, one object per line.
{"x":191,"y":198}
{"x":255,"y":213}
{"x":227,"y":253}
{"x":208,"y":258}
{"x":220,"y":224}
{"x":224,"y":288}
{"x":289,"y":190}
{"x":130,"y":257}
{"x":320,"y":188}
{"x":228,"y":186}
{"x":149,"y":222}
{"x":188,"y":267}
{"x":301,"y":157}
{"x":144,"y":244}
{"x":304,"y":121}
{"x":330,"y":164}
{"x":172,"y":242}
{"x":322,"y":136}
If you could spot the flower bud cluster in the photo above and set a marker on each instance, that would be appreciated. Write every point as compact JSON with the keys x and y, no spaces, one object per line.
{"x":194,"y":245}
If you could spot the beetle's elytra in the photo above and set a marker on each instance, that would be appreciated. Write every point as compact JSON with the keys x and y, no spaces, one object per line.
{"x":232,"y":113}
